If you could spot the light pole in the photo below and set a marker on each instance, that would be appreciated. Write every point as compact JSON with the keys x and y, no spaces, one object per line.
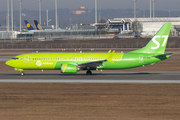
{"x":47,"y":16}
{"x":95,"y":11}
{"x":56,"y":14}
{"x":150,"y":9}
{"x":154,"y":8}
{"x":20,"y":13}
{"x":12,"y":16}
{"x":135,"y":8}
{"x":40,"y":11}
{"x":8,"y":15}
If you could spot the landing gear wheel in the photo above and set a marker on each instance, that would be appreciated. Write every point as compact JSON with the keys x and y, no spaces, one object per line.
{"x":89,"y":72}
{"x":22,"y":74}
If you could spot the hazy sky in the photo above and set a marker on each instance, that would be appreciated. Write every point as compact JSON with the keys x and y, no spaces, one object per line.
{"x":168,"y":5}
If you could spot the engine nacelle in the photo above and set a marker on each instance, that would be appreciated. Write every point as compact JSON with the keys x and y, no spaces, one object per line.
{"x":68,"y":68}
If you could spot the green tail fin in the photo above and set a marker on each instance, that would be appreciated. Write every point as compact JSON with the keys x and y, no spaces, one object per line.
{"x":158,"y":43}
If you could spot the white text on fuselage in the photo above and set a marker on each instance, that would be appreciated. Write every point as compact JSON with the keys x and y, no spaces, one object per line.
{"x":39,"y":63}
{"x":47,"y":63}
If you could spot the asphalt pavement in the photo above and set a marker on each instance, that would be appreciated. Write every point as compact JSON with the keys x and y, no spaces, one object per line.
{"x":131,"y":78}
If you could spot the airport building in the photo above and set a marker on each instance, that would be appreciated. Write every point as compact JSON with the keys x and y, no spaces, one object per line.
{"x":149,"y":25}
{"x":117,"y":26}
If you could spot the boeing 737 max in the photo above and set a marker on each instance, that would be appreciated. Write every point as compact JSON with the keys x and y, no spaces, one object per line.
{"x":153,"y":52}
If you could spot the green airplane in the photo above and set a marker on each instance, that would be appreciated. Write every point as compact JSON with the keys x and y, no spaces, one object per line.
{"x":153,"y":52}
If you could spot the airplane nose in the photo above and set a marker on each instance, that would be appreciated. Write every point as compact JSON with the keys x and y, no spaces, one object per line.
{"x":8,"y":63}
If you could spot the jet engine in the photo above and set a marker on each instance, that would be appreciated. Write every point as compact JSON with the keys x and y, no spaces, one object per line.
{"x":69,"y":68}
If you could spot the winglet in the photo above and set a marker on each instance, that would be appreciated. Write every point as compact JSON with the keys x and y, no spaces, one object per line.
{"x":110,"y":57}
{"x":109,"y":51}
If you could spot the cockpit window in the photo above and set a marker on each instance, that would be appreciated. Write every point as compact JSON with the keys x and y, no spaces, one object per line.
{"x":15,"y":58}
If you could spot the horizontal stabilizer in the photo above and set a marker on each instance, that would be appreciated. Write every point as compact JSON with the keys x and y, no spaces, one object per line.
{"x":162,"y":55}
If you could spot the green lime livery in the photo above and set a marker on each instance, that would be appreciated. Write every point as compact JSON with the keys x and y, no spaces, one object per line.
{"x":153,"y":52}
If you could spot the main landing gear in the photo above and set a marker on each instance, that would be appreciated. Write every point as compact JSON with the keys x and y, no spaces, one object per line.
{"x":89,"y":72}
{"x":22,"y":74}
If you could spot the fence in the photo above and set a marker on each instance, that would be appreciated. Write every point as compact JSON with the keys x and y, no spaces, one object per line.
{"x":79,"y":46}
{"x":54,"y":35}
{"x":73,"y":37}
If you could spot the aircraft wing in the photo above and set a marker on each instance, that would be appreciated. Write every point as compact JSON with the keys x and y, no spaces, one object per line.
{"x":93,"y":64}
{"x":99,"y":63}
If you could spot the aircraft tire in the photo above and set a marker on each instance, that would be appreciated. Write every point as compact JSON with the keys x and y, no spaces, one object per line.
{"x":89,"y":72}
{"x":22,"y":74}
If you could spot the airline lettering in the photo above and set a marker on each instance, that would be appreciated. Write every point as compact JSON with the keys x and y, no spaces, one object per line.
{"x":157,"y":43}
{"x":39,"y":63}
{"x":47,"y":63}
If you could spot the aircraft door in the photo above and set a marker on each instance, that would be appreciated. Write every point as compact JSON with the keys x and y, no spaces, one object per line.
{"x":141,"y":59}
{"x":26,"y":59}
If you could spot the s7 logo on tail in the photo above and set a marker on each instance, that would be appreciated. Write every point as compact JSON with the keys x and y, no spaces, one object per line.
{"x":157,"y":42}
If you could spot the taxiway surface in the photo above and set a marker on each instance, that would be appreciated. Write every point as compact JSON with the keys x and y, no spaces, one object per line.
{"x":143,"y":78}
